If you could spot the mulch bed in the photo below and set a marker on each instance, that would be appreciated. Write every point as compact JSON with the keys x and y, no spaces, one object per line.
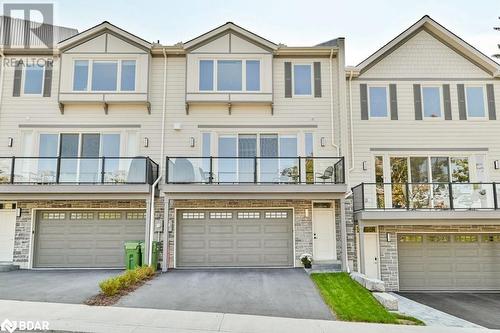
{"x":103,"y":300}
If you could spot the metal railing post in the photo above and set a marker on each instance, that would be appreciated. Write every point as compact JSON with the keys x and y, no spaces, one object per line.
{"x":450,"y":190}
{"x":12,"y":167}
{"x":58,"y":169}
{"x":211,"y":176}
{"x":407,"y":186}
{"x":166,"y":170}
{"x":102,"y":169}
{"x":300,"y":169}
{"x":255,"y":169}
{"x":495,"y":198}
{"x":363,"y":196}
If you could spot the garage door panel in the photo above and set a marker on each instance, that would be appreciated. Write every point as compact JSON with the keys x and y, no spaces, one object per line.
{"x":230,"y":238}
{"x":448,"y":262}
{"x":90,"y":239}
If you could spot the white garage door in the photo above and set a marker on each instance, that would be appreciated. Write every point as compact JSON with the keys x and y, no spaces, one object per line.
{"x":234,"y":238}
{"x":91,"y":239}
{"x":449,"y":261}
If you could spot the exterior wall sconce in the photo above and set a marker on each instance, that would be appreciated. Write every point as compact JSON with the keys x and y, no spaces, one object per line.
{"x":191,"y":142}
{"x":365,"y":165}
{"x":146,"y":142}
{"x":388,"y":236}
{"x":307,"y":212}
{"x":10,"y":142}
{"x":496,"y":164}
{"x":323,"y":141}
{"x":18,"y":212}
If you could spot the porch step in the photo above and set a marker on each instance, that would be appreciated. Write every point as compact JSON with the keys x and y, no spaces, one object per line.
{"x":325,"y":267}
{"x":7,"y":267}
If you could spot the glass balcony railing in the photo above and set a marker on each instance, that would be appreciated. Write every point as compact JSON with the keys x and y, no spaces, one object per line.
{"x":425,"y":196}
{"x":255,"y":170}
{"x":77,"y":170}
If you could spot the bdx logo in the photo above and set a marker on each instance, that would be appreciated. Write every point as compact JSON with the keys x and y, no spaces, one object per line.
{"x":34,"y":33}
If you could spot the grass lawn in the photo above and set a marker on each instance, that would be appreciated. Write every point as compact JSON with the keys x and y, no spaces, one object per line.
{"x":352,"y":302}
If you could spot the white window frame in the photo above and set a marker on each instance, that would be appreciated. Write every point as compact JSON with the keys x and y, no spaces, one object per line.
{"x":485,"y":103}
{"x":387,"y":117}
{"x":215,"y":63}
{"x":441,"y":102}
{"x":23,"y":81}
{"x":311,"y":65}
{"x":89,"y":76}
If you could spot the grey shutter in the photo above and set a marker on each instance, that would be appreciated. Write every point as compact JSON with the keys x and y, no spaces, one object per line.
{"x":393,"y":97}
{"x":417,"y":101}
{"x":18,"y":73}
{"x":288,"y":79}
{"x":462,"y":112}
{"x":447,"y":102}
{"x":317,"y":79}
{"x":363,"y":94}
{"x":490,"y":95}
{"x":47,"y":84}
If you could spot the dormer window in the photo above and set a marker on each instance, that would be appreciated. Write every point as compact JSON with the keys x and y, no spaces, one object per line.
{"x":232,"y":75}
{"x":104,"y":75}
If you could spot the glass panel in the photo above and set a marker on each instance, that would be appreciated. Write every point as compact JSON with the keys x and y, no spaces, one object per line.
{"x":114,"y":169}
{"x":68,"y":153}
{"x":47,"y":167}
{"x":302,"y":83}
{"x":227,"y":166}
{"x":206,"y":75}
{"x":289,"y":169}
{"x":247,"y":147}
{"x":269,"y":166}
{"x":432,"y":102}
{"x":253,"y":75}
{"x":379,"y":179}
{"x":475,"y":102}
{"x":206,"y":149}
{"x":480,"y":169}
{"x":33,"y":79}
{"x":309,"y":151}
{"x":229,"y":75}
{"x":459,"y":169}
{"x":440,"y":173}
{"x":128,"y":75}
{"x":419,"y":169}
{"x":473,"y":196}
{"x":104,"y":75}
{"x":80,"y":75}
{"x":399,"y":176}
{"x":5,"y":165}
{"x":90,"y":167}
{"x":132,"y":144}
{"x":378,"y":102}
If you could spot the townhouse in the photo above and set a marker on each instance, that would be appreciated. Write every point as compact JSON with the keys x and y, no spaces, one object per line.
{"x":233,"y":151}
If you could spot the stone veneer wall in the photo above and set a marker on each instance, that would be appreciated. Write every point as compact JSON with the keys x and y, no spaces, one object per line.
{"x":389,"y":251}
{"x":351,"y":235}
{"x":303,"y":224}
{"x":23,"y":222}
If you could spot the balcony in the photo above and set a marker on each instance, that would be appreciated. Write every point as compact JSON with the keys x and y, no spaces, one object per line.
{"x":241,"y":175}
{"x":477,"y":199}
{"x":57,"y":174}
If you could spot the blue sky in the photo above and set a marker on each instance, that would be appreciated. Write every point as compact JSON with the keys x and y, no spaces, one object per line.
{"x":367,"y":25}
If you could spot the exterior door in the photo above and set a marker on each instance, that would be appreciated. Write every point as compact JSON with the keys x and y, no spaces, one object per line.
{"x":324,"y":234}
{"x":7,"y":232}
{"x":371,"y":255}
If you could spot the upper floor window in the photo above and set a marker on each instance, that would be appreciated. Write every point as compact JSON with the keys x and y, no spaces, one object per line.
{"x":378,"y":102}
{"x":431,"y":97}
{"x":33,"y":79}
{"x":232,"y":75}
{"x":302,"y":80}
{"x":104,"y":75}
{"x":475,"y":102}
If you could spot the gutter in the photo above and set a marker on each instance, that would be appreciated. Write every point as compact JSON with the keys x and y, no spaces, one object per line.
{"x":151,"y":220}
{"x":331,"y":103}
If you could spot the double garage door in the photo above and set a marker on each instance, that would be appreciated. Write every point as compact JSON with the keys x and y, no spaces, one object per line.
{"x":449,"y":261}
{"x":90,"y":239}
{"x":234,"y":238}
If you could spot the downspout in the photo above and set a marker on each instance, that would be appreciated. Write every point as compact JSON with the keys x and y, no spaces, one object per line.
{"x":152,"y":220}
{"x":351,"y":122}
{"x":331,"y":105}
{"x":2,"y":69}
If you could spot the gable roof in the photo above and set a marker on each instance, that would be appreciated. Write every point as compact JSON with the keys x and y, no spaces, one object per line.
{"x":100,"y":29}
{"x":230,"y":26}
{"x":442,"y":34}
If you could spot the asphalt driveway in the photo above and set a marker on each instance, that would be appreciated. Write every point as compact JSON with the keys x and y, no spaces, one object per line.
{"x":268,"y":292}
{"x":60,"y":286}
{"x":479,"y":308}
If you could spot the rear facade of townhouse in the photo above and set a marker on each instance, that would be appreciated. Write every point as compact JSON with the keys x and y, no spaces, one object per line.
{"x":233,"y":151}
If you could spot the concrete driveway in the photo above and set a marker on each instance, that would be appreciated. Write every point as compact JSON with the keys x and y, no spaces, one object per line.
{"x":61,"y":286}
{"x":268,"y":292}
{"x":479,"y":308}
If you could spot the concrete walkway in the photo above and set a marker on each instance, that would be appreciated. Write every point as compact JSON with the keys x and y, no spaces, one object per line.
{"x":431,"y":316}
{"x":82,"y":318}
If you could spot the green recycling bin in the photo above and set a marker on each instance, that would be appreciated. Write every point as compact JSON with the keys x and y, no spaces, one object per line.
{"x":154,"y":256}
{"x":132,"y":254}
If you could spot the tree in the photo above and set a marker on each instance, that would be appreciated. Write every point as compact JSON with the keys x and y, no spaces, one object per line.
{"x":497,"y":29}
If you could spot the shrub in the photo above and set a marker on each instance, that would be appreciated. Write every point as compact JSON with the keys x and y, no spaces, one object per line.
{"x":131,"y":276}
{"x":110,"y":286}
